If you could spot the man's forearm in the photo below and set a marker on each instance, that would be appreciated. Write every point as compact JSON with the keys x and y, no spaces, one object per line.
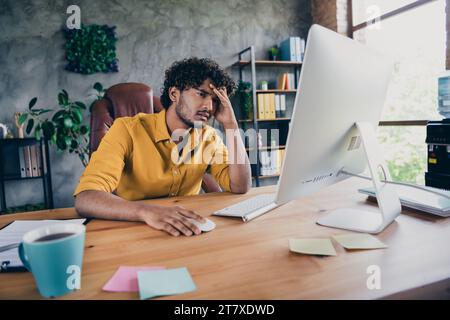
{"x":104,"y":205}
{"x":239,"y":170}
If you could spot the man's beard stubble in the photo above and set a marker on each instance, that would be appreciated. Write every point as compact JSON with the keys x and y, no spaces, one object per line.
{"x":180,"y":110}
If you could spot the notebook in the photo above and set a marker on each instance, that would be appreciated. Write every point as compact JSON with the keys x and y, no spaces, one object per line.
{"x":13,"y":233}
{"x":420,"y":199}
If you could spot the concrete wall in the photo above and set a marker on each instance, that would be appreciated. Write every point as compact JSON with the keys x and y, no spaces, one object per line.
{"x":152,"y":34}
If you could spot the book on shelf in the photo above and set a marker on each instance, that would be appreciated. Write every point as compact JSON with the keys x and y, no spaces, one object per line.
{"x":286,"y":81}
{"x":281,"y":83}
{"x":271,"y":162}
{"x":292,"y":49}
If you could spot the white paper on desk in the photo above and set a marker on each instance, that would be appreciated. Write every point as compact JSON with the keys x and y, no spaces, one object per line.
{"x":420,"y":199}
{"x":14,"y":232}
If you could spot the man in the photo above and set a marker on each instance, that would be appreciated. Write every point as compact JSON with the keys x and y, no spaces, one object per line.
{"x":157,"y":155}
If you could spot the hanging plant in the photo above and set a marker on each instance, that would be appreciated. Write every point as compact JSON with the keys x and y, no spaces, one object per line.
{"x":91,"y":49}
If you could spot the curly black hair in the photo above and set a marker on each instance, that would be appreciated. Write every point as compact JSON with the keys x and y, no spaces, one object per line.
{"x":191,"y":73}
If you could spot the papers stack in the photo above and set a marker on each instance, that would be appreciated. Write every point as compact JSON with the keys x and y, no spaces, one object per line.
{"x":14,"y":232}
{"x":420,"y":199}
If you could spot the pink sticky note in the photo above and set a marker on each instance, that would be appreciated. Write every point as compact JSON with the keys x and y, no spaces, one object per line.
{"x":125,"y":279}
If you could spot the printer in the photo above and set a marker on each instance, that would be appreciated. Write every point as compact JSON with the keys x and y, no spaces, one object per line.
{"x":438,"y":155}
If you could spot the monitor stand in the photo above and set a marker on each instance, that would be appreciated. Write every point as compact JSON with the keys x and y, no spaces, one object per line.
{"x":389,"y":204}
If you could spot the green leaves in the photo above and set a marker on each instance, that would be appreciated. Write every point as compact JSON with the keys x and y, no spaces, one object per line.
{"x":22,"y":118}
{"x":68,"y":122}
{"x":29,"y":126}
{"x":81,"y":105}
{"x":65,"y":128}
{"x":91,"y":49}
{"x":98,"y":86}
{"x":32,"y":103}
{"x":63,"y":99}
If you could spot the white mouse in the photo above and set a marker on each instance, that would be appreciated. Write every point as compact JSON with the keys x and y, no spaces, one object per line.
{"x":205,"y":227}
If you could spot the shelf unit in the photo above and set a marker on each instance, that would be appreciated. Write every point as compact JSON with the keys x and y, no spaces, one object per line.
{"x":10,"y":168}
{"x":252,"y":63}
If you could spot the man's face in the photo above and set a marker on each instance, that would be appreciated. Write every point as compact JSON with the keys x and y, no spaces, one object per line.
{"x":197,"y":104}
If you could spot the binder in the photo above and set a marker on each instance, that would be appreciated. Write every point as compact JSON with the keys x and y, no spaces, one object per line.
{"x":23,"y":172}
{"x":27,"y":157}
{"x":283,"y":105}
{"x":39,"y":161}
{"x":261,"y":115}
{"x":272,"y":105}
{"x":277,"y":106}
{"x":298,"y":53}
{"x":34,"y":170}
{"x":287,"y":49}
{"x":266,"y":106}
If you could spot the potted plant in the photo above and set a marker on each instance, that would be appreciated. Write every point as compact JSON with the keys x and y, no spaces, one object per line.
{"x":65,"y":129}
{"x":273,"y":53}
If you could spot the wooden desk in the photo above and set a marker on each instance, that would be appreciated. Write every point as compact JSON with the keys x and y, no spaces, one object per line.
{"x":252,"y":260}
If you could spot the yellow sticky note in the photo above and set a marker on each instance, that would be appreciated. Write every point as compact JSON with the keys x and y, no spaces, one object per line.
{"x":322,"y":247}
{"x":359,"y":241}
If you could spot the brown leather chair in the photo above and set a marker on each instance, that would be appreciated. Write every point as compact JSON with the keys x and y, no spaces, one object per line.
{"x":128,"y":99}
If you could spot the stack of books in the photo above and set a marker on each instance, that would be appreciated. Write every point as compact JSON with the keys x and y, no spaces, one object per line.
{"x":271,"y":162}
{"x":271,"y":106}
{"x":292,"y":49}
{"x":30,"y":161}
{"x":286,"y":81}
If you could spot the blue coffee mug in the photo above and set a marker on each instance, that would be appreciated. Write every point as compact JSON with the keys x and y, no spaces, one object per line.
{"x":54,"y":255}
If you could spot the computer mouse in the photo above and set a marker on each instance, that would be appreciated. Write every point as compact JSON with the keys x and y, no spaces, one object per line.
{"x":205,"y":227}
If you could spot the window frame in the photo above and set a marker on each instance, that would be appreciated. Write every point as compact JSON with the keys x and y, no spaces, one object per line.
{"x":353,"y":28}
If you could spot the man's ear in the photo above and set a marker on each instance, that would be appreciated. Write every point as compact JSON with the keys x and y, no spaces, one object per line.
{"x":174,"y":94}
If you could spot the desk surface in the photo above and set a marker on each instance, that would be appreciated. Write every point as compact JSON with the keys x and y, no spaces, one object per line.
{"x":252,"y":260}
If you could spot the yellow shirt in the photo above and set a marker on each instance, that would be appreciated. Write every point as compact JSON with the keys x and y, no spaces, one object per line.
{"x":137,"y":159}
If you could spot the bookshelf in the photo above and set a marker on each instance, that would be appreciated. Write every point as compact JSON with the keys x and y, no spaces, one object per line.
{"x":253,"y":67}
{"x":24,"y":160}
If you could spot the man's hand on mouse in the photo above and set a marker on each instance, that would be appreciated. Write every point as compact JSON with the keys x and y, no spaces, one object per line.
{"x":173,"y":220}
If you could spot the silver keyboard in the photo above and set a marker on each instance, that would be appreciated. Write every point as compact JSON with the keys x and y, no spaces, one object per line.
{"x":241,"y":209}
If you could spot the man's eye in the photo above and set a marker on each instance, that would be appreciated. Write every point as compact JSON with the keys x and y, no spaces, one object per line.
{"x":201,"y":94}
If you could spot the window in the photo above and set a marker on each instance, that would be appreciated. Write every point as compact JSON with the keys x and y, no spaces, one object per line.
{"x":414,"y":34}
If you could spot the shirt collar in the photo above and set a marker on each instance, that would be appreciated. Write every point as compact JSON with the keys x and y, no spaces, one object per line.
{"x":161,"y":132}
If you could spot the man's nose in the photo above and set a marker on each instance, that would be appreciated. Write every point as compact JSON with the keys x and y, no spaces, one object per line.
{"x":208,"y":104}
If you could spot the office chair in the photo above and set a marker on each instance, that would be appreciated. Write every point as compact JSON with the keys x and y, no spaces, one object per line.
{"x":128,"y":99}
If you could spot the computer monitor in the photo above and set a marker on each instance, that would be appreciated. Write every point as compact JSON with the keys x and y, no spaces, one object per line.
{"x":342,"y":83}
{"x":340,"y":96}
